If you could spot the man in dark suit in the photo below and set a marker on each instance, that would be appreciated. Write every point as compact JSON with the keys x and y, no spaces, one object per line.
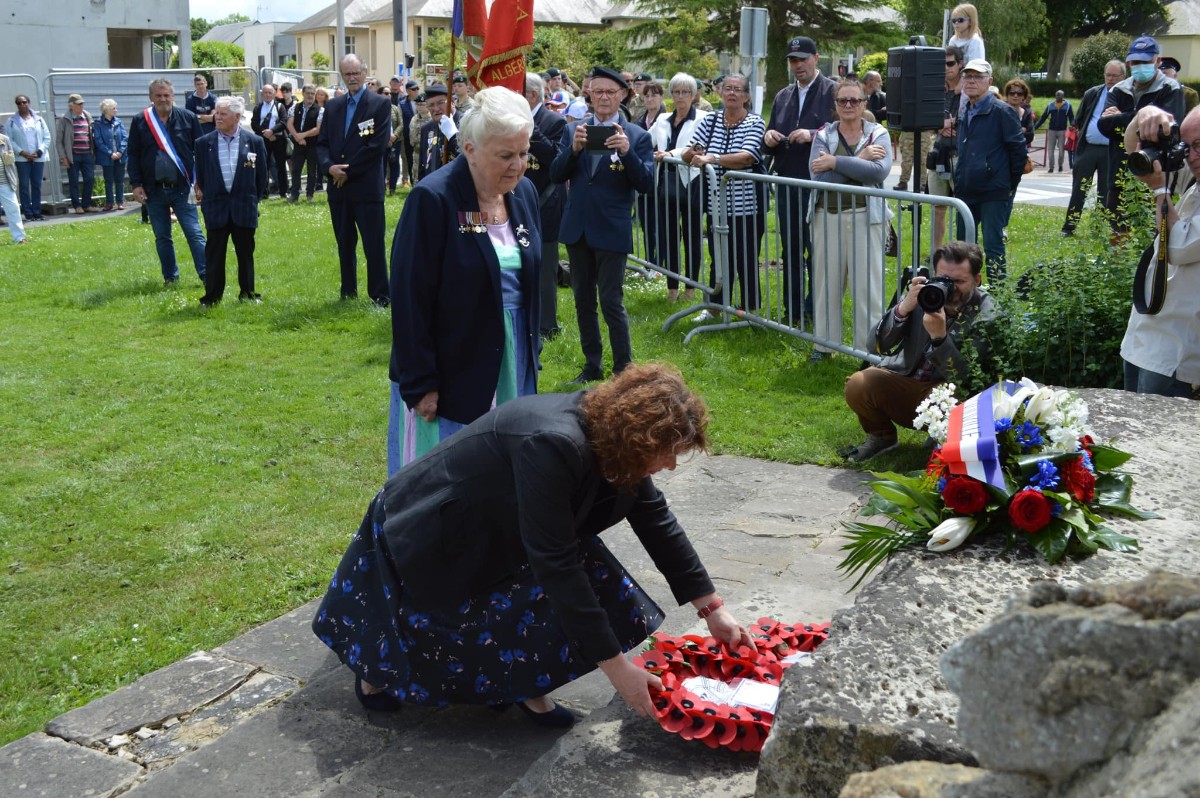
{"x":597,"y":225}
{"x":230,"y":175}
{"x":408,"y":109}
{"x":543,"y":148}
{"x":1092,"y":156}
{"x":351,"y":145}
{"x":269,"y":120}
{"x":439,"y":136}
{"x":798,"y":111}
{"x":303,"y":124}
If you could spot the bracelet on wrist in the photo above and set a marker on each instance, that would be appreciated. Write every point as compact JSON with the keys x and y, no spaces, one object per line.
{"x":1161,"y":190}
{"x":711,"y":607}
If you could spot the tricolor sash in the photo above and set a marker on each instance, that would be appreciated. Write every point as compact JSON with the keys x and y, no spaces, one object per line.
{"x":971,"y":447}
{"x":159,"y":130}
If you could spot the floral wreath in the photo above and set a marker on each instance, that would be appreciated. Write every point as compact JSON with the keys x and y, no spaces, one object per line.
{"x":676,"y":659}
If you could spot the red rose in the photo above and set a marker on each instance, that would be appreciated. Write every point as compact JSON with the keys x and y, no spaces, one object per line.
{"x":936,"y":467}
{"x":1029,"y":510}
{"x":964,"y":495}
{"x":1078,"y":480}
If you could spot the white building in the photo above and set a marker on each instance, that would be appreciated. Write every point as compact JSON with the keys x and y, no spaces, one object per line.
{"x":264,"y":43}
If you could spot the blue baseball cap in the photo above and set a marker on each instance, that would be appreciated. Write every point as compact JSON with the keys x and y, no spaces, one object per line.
{"x":1143,"y":48}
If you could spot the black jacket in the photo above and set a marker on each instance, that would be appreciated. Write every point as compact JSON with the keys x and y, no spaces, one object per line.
{"x":791,"y":160}
{"x":183,"y":128}
{"x":521,"y":485}
{"x":544,"y":143}
{"x":1164,"y":92}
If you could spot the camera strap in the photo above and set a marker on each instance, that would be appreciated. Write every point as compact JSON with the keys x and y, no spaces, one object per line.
{"x":1158,"y":277}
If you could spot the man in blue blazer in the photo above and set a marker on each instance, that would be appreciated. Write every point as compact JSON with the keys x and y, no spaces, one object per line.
{"x":797,"y":113}
{"x":350,"y":149}
{"x":597,"y":225}
{"x":231,"y":174}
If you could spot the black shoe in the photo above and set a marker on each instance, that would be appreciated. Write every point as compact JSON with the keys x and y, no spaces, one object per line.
{"x":171,"y":283}
{"x":376,"y":702}
{"x":585,"y":377}
{"x":551,"y":334}
{"x":249,"y":297}
{"x":350,"y":296}
{"x":381,"y":301}
{"x":558,"y":718}
{"x":205,"y":302}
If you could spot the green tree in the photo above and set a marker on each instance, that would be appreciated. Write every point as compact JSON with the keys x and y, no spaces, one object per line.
{"x":231,"y":19}
{"x":677,"y":44}
{"x":1087,"y":63}
{"x":576,"y":51}
{"x":213,"y":54}
{"x":1067,"y":18}
{"x":200,"y":26}
{"x":321,"y":63}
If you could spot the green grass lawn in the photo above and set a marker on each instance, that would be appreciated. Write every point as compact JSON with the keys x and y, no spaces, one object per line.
{"x":175,"y":476}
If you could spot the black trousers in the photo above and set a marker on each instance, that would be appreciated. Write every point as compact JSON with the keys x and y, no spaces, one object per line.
{"x":350,"y":220}
{"x":277,"y":158}
{"x":303,"y":156}
{"x":795,"y":241}
{"x":741,"y":253}
{"x":602,"y":269}
{"x":1090,"y":160}
{"x":214,"y":261}
{"x":548,"y":288}
{"x":679,"y":217}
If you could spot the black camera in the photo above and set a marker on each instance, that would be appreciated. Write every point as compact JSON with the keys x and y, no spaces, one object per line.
{"x":933,"y":294}
{"x":1170,"y":152}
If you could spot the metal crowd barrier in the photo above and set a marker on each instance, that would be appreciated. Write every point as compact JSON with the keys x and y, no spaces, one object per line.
{"x":754,"y":229}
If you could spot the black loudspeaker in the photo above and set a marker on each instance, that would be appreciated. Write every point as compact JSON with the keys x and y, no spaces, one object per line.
{"x":916,"y":88}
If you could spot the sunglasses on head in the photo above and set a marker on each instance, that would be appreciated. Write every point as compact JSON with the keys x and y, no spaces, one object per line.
{"x":959,"y":20}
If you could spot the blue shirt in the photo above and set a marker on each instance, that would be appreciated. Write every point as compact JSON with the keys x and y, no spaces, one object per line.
{"x":352,"y":101}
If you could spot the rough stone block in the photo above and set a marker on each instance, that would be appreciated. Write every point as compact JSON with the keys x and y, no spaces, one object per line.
{"x":39,"y":765}
{"x":286,"y":646}
{"x":935,"y":780}
{"x":177,"y":689}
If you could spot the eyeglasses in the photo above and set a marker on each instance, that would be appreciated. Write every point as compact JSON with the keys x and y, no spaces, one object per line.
{"x":605,"y":92}
{"x":357,"y":74}
{"x":1016,"y":93}
{"x":952,"y":63}
{"x":959,"y":20}
{"x":734,"y":89}
{"x":849,"y":102}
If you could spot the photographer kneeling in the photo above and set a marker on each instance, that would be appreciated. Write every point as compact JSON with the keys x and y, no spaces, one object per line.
{"x":1162,"y":349}
{"x":921,"y":339}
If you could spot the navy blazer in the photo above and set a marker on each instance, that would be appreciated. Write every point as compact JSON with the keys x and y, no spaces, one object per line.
{"x":237,"y":206}
{"x":363,"y":149}
{"x":791,"y":160}
{"x":447,"y":303}
{"x":544,"y":142}
{"x":602,"y":190}
{"x":521,"y":485}
{"x":434,"y":147}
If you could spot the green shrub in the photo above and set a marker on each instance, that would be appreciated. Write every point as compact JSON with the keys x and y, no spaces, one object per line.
{"x":872,"y":62}
{"x":1087,"y":63}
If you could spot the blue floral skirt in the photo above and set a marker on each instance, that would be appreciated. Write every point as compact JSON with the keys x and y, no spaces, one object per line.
{"x":500,"y":647}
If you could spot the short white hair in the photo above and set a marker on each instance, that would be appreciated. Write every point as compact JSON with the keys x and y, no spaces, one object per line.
{"x":107,"y":104}
{"x":498,"y":112}
{"x":534,"y":82}
{"x":682,"y":80}
{"x":235,"y":105}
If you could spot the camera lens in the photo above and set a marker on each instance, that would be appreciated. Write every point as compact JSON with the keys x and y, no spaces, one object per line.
{"x":932,"y":297}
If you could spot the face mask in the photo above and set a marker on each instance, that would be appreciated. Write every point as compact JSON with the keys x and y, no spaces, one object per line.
{"x":1143,"y":73}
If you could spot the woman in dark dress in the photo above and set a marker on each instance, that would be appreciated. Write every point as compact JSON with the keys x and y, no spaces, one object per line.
{"x":477,"y":576}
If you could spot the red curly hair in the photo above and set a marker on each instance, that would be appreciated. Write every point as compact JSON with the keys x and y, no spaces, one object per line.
{"x":640,"y":415}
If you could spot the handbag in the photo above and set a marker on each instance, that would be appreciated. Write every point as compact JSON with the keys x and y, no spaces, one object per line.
{"x":1072,"y":139}
{"x":1028,"y":165}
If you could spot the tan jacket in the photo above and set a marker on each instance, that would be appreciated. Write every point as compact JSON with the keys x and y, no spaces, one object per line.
{"x":66,"y":136}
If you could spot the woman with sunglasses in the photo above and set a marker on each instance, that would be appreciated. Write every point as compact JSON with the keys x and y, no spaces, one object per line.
{"x":849,"y":232}
{"x":31,"y":141}
{"x":967,"y":35}
{"x":1017,"y":95}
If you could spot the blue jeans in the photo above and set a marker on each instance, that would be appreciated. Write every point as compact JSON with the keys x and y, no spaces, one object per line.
{"x":114,"y":182}
{"x":159,"y":203}
{"x":992,"y":216}
{"x":30,"y":175}
{"x":83,"y":165}
{"x":1140,"y":380}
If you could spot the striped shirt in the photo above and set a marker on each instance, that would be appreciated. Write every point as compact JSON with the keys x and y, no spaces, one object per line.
{"x":719,"y":139}
{"x":81,"y":142}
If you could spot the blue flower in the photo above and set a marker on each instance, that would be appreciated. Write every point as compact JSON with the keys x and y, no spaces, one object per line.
{"x":384,"y":665}
{"x":941,"y":484}
{"x":626,"y":587}
{"x":1003,"y":425}
{"x":485,"y":638}
{"x":506,"y":656}
{"x":327,"y":640}
{"x":417,"y":693}
{"x":333,"y":583}
{"x":347,"y":621}
{"x":321,"y":616}
{"x":1046,"y":477}
{"x":347,"y":586}
{"x":418,"y":620}
{"x":499,"y":601}
{"x":465,"y":608}
{"x":600,"y":573}
{"x":387,"y":592}
{"x":564,"y":653}
{"x":455,"y":668}
{"x":1087,"y":461}
{"x":355,"y":653}
{"x":543,"y":680}
{"x":635,"y":614}
{"x":1056,"y":509}
{"x":1029,"y":436}
{"x":518,"y":654}
{"x":456,"y":638}
{"x":482,"y":683}
{"x":384,"y":648}
{"x":362,"y":565}
{"x":536,"y":592}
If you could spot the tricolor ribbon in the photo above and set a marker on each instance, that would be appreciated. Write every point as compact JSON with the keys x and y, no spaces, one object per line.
{"x":971,"y":447}
{"x":159,"y":131}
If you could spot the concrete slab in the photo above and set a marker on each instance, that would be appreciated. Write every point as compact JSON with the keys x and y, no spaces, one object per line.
{"x":175,"y":690}
{"x":39,"y":765}
{"x":285,"y":646}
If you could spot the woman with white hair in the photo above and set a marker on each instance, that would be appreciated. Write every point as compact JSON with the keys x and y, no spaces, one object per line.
{"x":111,"y":138}
{"x":679,"y":198}
{"x":465,"y":264}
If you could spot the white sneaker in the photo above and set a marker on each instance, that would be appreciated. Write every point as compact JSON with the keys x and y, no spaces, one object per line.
{"x":704,"y":315}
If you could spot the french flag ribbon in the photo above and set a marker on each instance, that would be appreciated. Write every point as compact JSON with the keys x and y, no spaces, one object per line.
{"x":159,"y":131}
{"x":971,"y":447}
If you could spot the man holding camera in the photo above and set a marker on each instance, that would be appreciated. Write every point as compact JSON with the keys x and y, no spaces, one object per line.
{"x":1146,"y":86}
{"x":921,"y":342}
{"x":1161,"y":349}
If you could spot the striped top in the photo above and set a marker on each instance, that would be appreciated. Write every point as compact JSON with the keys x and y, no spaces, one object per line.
{"x":719,"y":139}
{"x":81,"y":142}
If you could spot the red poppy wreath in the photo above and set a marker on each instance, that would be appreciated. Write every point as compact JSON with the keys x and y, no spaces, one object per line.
{"x":729,"y":710}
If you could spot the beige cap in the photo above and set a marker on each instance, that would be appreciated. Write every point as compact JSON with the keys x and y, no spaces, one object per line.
{"x":978,"y":65}
{"x":75,"y":98}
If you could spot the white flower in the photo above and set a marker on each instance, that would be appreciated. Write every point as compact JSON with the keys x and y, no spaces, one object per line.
{"x":1005,"y":406}
{"x":950,"y":533}
{"x":933,"y":414}
{"x":1043,"y":404}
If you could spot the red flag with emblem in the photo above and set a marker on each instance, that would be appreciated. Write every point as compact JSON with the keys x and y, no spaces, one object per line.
{"x":509,"y":38}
